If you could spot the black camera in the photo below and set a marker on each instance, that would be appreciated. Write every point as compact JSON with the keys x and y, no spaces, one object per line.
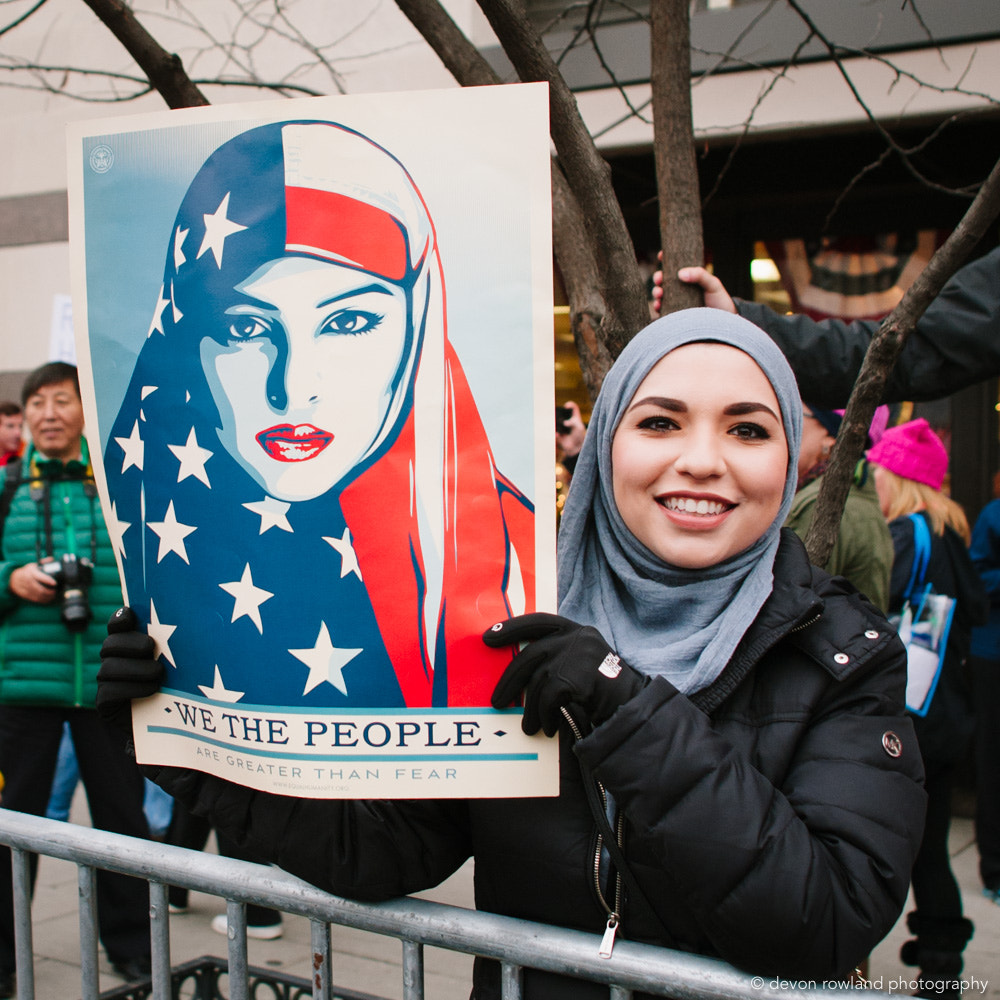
{"x":563,"y":413}
{"x":72,"y":576}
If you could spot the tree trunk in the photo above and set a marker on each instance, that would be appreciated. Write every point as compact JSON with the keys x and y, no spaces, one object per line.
{"x":676,"y":167}
{"x":589,"y":176}
{"x":880,"y":359}
{"x":163,"y":69}
{"x":577,"y":265}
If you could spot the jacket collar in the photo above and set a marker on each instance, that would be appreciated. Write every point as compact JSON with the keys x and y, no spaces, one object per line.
{"x":55,"y":468}
{"x":795,"y":612}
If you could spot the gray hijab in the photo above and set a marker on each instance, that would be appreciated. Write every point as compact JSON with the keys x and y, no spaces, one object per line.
{"x":682,"y":624}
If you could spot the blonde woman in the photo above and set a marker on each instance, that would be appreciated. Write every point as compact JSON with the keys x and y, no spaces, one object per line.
{"x":910,"y":463}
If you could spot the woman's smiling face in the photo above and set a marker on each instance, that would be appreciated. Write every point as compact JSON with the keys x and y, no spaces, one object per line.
{"x":302,"y":370}
{"x":700,"y":457}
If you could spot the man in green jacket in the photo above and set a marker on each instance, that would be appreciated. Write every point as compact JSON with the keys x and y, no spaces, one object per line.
{"x":58,"y":586}
{"x":862,"y":551}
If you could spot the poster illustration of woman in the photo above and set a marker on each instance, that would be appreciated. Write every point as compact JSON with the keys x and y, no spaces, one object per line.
{"x":307,"y":509}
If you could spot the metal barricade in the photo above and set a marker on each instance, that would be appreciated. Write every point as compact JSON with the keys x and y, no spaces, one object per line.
{"x":417,"y":923}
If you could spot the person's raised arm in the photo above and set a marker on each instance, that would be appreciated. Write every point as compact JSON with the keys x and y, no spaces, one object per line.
{"x":715,"y":294}
{"x":956,"y":342}
{"x":714,"y":291}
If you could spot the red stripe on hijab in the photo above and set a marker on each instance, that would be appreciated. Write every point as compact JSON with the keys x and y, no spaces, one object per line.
{"x":336,"y":224}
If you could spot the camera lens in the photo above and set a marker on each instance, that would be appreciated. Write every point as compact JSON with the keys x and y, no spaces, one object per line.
{"x":73,"y":577}
{"x":75,"y":610}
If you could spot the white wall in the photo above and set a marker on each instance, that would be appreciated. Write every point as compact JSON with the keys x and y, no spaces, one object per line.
{"x":29,"y":279}
{"x":814,"y":95}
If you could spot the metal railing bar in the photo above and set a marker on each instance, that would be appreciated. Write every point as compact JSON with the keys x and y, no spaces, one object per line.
{"x":413,"y":970}
{"x":23,"y":944}
{"x":236,"y":928}
{"x":322,"y":960}
{"x":159,"y":927}
{"x":635,"y":966}
{"x":90,"y":978}
{"x":511,"y":981}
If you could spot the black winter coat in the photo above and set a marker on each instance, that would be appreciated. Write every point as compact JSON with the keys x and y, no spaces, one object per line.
{"x":771,"y":819}
{"x":956,"y":342}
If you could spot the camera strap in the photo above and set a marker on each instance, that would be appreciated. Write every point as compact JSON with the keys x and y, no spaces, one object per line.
{"x":41,"y":493}
{"x":12,"y":479}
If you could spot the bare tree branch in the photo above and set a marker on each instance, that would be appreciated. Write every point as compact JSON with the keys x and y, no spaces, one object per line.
{"x":920,"y":18}
{"x":747,"y":125}
{"x":593,"y":248}
{"x":676,"y":166}
{"x":836,"y":53}
{"x":880,"y":359}
{"x":968,"y":191}
{"x":266,"y":20}
{"x":164,"y":70}
{"x":587,"y":172}
{"x":141,"y":83}
{"x":24,"y":17}
{"x":581,"y":277}
{"x":635,"y":110}
{"x":460,"y":57}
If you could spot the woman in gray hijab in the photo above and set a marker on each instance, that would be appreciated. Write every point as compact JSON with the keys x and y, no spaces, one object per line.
{"x":741,"y":711}
{"x":737,"y":775}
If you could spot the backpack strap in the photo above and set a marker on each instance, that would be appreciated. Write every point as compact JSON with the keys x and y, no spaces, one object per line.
{"x":921,"y":555}
{"x":12,"y":479}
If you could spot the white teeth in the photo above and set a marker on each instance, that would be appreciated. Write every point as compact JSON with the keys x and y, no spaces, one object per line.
{"x":689,"y":505}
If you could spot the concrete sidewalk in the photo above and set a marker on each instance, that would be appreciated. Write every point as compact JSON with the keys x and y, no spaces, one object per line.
{"x":372,"y":964}
{"x":982,"y":954}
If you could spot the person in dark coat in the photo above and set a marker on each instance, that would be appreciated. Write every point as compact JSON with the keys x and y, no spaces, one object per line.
{"x":955,"y":343}
{"x":985,"y":662}
{"x":910,"y":463}
{"x":738,"y":777}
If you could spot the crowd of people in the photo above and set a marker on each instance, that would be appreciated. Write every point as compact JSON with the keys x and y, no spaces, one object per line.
{"x":740,"y":774}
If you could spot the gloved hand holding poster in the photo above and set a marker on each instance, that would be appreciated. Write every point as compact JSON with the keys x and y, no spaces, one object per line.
{"x":315,"y":342}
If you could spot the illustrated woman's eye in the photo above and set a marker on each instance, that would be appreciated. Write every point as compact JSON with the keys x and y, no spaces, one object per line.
{"x":352,"y":321}
{"x":247,"y":327}
{"x":751,"y":432}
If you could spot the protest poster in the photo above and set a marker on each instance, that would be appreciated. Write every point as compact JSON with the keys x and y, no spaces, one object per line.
{"x":315,"y":346}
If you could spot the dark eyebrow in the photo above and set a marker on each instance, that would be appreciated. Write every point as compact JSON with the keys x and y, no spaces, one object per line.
{"x":381,"y":289}
{"x":678,"y":406}
{"x":270,"y":307}
{"x":743,"y":409}
{"x":661,"y":401}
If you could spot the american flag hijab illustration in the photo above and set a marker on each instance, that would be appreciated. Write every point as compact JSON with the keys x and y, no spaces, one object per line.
{"x":304,"y":496}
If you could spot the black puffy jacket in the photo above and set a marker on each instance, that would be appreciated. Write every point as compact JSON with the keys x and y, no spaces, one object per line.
{"x":956,"y":342}
{"x":770,"y":819}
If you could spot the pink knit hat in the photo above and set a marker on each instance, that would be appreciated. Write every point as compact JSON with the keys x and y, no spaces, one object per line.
{"x":880,"y":420}
{"x":912,"y":451}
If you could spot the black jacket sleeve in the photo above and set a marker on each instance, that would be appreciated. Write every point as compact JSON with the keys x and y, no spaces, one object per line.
{"x":799,"y":876}
{"x":956,"y":343}
{"x":363,"y":850}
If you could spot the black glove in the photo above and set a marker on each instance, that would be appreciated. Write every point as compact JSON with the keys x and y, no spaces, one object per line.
{"x":564,"y":664}
{"x":129,"y":669}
